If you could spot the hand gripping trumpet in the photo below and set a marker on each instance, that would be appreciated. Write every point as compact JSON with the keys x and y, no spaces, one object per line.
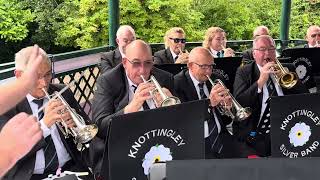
{"x":284,"y":78}
{"x":236,"y":112}
{"x":165,"y":100}
{"x":183,"y":57}
{"x":81,"y":133}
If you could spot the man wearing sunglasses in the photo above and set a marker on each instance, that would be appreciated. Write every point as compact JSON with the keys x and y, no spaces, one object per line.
{"x":313,"y":37}
{"x":192,"y":84}
{"x":174,"y":41}
{"x":122,"y":90}
{"x":125,"y":35}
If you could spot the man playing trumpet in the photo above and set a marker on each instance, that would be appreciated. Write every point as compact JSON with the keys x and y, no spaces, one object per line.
{"x":254,"y":84}
{"x":193,"y":84}
{"x":215,"y":41}
{"x":53,"y":151}
{"x":122,"y":90}
{"x":174,"y":41}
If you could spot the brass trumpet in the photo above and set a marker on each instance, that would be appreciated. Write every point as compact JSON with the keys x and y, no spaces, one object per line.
{"x":81,"y":133}
{"x":236,"y":112}
{"x":224,"y":49}
{"x":284,"y":78}
{"x":166,"y":100}
{"x":183,"y":57}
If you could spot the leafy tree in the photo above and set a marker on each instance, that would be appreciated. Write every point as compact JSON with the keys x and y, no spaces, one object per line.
{"x":152,"y":18}
{"x":13,"y":20}
{"x":83,"y":23}
{"x":303,"y":15}
{"x":239,"y":18}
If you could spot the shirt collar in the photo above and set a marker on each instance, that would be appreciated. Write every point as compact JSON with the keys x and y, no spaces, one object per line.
{"x":30,"y":98}
{"x":173,"y":54}
{"x":214,"y":52}
{"x":194,"y":80}
{"x":130,"y":83}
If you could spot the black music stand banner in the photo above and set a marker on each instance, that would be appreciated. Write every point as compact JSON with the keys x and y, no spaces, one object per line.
{"x":171,"y":68}
{"x":306,"y":61}
{"x":137,"y":140}
{"x":295,"y":126}
{"x":227,"y":68}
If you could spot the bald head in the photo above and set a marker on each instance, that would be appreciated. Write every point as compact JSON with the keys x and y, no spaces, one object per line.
{"x":138,"y":61}
{"x":125,"y":35}
{"x":312,"y":28}
{"x":200,"y":63}
{"x":199,"y":53}
{"x":137,"y":45}
{"x":260,"y":30}
{"x":313,"y":35}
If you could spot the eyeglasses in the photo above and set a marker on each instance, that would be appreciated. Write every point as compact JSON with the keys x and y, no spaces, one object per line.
{"x":137,"y":64}
{"x":46,"y":76}
{"x":177,"y":40}
{"x":206,"y":66}
{"x":314,"y":35}
{"x":265,"y":49}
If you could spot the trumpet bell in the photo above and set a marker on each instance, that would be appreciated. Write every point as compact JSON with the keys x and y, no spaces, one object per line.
{"x":288,"y":80}
{"x":243,"y":113}
{"x":170,"y":101}
{"x":86,"y":133}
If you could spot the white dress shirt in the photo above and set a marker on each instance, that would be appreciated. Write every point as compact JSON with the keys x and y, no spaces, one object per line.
{"x":265,"y":95}
{"x":131,"y":93}
{"x":63,"y":155}
{"x":214,"y":53}
{"x":206,"y":92}
{"x":174,"y":55}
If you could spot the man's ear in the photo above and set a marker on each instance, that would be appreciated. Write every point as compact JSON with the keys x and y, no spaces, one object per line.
{"x":117,"y":40}
{"x":124,"y":61}
{"x":189,"y":65}
{"x":18,"y":73}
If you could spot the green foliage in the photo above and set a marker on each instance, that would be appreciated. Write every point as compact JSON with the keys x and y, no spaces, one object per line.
{"x":84,"y":23}
{"x":303,"y":15}
{"x":13,"y":20}
{"x":152,"y":18}
{"x":239,"y":18}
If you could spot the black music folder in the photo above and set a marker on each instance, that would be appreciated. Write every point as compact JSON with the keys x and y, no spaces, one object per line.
{"x":295,"y":126}
{"x":137,"y":140}
{"x":171,"y":68}
{"x":227,"y":67}
{"x":306,"y":61}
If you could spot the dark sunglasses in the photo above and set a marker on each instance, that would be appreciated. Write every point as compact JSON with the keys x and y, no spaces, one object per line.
{"x":177,"y":40}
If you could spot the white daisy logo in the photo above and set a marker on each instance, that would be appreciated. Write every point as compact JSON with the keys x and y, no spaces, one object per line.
{"x":301,"y":70}
{"x":157,"y":153}
{"x":299,"y":134}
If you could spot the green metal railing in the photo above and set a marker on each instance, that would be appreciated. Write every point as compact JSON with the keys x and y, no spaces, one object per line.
{"x":85,"y":86}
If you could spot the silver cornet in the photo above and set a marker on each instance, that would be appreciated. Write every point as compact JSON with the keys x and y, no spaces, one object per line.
{"x":236,"y":112}
{"x":166,"y":100}
{"x":81,"y":133}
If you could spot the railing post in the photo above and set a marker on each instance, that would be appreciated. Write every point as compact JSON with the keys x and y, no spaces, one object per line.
{"x":285,"y":23}
{"x":113,"y":21}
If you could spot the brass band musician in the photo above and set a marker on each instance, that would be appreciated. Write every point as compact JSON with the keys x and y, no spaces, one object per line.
{"x":53,"y":151}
